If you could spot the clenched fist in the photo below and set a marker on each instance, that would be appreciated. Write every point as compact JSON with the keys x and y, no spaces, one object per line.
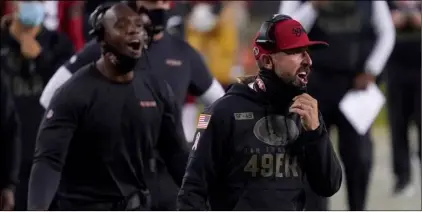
{"x":30,"y":48}
{"x":307,"y":108}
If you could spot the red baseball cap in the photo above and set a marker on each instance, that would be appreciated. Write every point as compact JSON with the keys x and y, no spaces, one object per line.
{"x":288,"y":34}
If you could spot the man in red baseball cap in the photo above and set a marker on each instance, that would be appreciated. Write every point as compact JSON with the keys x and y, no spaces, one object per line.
{"x":255,"y":146}
{"x":281,"y":46}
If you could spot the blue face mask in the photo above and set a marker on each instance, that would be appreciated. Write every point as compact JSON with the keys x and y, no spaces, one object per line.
{"x":31,"y":13}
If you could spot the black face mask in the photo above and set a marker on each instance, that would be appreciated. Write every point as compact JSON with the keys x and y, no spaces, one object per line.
{"x":276,"y":90}
{"x":158,"y":19}
{"x":124,"y":64}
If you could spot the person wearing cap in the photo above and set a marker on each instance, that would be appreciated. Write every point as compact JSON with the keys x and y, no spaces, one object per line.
{"x":256,"y":147}
{"x":361,"y":36}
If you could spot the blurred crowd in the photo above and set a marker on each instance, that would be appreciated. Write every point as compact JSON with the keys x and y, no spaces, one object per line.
{"x":220,"y":32}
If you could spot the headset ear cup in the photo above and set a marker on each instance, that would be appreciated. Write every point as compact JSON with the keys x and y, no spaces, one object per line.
{"x":265,"y":35}
{"x":96,"y":21}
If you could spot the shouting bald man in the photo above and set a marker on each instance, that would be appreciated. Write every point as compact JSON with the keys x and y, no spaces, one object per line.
{"x":102,"y":126}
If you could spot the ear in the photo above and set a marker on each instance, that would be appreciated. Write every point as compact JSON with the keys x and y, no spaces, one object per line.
{"x":267,"y":61}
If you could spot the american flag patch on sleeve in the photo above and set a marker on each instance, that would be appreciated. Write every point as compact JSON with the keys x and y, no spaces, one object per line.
{"x":203,"y":121}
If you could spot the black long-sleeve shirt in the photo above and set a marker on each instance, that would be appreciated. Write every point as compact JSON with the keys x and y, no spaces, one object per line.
{"x":97,"y":136}
{"x":9,"y":140}
{"x":249,"y":155}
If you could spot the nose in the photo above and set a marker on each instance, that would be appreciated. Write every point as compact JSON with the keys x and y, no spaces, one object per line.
{"x":133,"y":29}
{"x":307,"y":58}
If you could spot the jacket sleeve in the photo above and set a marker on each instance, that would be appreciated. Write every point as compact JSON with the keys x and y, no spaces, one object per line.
{"x":10,"y":141}
{"x":172,"y":144}
{"x":54,"y":136}
{"x":322,"y":167}
{"x":204,"y":162}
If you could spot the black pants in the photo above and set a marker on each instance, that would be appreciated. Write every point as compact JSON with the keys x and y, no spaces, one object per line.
{"x":355,"y":150}
{"x":404,"y":106}
{"x":163,"y":190}
{"x":21,"y":195}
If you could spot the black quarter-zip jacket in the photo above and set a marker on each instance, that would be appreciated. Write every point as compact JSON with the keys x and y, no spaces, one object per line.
{"x":252,"y":154}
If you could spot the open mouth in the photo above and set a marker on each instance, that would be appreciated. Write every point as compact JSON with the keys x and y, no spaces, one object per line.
{"x":134,"y":45}
{"x":303,"y":77}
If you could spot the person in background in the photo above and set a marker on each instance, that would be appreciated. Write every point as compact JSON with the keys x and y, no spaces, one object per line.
{"x":404,"y":89}
{"x":9,"y":149}
{"x":210,"y":28}
{"x":64,"y":16}
{"x":30,"y":54}
{"x":361,"y":37}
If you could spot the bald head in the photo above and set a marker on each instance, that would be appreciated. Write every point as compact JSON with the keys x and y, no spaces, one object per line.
{"x":122,"y":27}
{"x":119,"y":12}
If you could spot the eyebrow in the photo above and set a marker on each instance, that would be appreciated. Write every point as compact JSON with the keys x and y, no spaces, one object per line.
{"x":125,"y":19}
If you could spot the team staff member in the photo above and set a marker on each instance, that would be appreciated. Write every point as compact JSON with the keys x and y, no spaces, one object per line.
{"x":9,"y":149}
{"x":255,"y":146}
{"x":361,"y":36}
{"x":173,"y":60}
{"x":103,"y":125}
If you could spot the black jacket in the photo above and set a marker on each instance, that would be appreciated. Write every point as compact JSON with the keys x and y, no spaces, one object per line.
{"x":251,"y":154}
{"x":9,"y":140}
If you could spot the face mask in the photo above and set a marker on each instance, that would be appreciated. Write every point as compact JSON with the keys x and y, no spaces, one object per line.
{"x":31,"y":13}
{"x":124,"y":64}
{"x":277,"y":89}
{"x":158,"y":19}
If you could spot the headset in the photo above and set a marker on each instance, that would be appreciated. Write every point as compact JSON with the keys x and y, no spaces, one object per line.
{"x":265,"y":37}
{"x":96,"y":20}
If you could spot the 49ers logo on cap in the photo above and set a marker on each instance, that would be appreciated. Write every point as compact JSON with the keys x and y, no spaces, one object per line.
{"x":298,"y":31}
{"x":255,"y":51}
